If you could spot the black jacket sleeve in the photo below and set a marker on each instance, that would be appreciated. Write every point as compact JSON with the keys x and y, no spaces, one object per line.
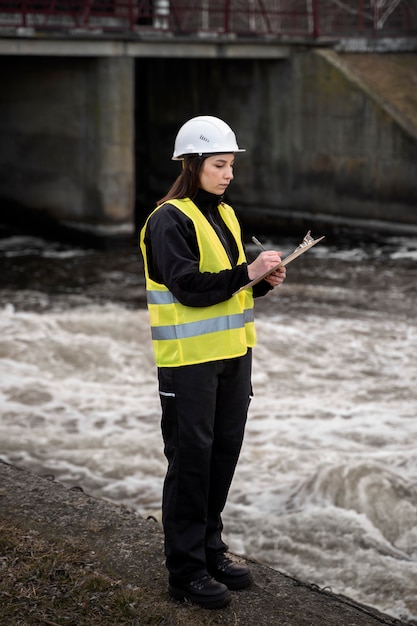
{"x":173,"y":260}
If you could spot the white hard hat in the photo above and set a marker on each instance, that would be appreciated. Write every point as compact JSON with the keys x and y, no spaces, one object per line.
{"x":204,"y":134}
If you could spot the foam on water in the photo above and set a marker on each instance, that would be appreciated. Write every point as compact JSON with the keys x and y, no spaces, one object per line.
{"x":325,"y":488}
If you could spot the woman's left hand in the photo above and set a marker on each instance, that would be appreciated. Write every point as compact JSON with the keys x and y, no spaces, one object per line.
{"x":276,"y":278}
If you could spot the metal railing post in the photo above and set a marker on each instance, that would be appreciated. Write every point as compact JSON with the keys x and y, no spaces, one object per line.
{"x":227,"y":16}
{"x":316,"y":18}
{"x":375,"y":18}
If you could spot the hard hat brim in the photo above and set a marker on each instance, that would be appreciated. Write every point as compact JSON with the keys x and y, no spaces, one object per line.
{"x":181,"y":157}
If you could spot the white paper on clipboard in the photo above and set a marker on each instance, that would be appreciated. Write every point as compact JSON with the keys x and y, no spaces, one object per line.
{"x":300,"y":250}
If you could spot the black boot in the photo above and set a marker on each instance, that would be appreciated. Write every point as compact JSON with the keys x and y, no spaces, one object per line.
{"x":203,"y":591}
{"x":233,"y":575}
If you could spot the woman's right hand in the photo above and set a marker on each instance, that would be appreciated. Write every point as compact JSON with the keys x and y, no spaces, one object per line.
{"x":263,"y":263}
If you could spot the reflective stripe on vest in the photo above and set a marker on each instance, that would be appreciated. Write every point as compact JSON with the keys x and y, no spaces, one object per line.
{"x":203,"y":327}
{"x":183,"y":335}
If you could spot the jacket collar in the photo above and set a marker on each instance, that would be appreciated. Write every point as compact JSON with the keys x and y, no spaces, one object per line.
{"x":207,"y":202}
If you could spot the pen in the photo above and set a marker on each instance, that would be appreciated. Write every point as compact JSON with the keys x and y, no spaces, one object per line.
{"x":258,"y":243}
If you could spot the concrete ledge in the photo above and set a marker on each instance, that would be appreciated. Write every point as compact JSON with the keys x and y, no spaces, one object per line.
{"x":91,"y":45}
{"x":130,"y":548}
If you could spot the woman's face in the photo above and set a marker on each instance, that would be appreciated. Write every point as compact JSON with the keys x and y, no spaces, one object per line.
{"x":217,"y":172}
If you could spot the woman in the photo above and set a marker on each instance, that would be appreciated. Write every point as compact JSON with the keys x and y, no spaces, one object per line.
{"x":202,"y":338}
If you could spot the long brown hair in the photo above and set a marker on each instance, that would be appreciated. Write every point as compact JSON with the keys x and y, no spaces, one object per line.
{"x":188,"y":182}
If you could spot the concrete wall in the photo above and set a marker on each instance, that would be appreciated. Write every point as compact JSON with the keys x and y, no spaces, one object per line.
{"x":67,"y":137}
{"x":319,"y":144}
{"x":350,"y":155}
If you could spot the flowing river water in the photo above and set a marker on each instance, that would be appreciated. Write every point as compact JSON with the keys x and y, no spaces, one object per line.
{"x":326,"y":486}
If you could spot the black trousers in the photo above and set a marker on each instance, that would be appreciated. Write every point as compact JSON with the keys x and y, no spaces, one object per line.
{"x":204,"y":411}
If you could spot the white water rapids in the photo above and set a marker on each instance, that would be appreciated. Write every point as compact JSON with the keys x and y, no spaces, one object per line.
{"x":326,"y":486}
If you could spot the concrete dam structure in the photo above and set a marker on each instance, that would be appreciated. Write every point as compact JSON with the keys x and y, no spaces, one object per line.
{"x":87,"y":126}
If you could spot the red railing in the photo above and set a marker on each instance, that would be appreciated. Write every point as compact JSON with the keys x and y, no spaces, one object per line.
{"x":271,"y":18}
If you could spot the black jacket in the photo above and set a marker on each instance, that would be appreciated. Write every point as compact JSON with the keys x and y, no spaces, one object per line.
{"x":173,"y":255}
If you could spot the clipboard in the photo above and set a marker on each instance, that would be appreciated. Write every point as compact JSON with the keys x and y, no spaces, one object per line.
{"x":307,"y":243}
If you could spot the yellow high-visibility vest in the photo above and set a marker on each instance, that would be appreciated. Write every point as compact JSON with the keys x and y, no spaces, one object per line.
{"x":184,"y":335}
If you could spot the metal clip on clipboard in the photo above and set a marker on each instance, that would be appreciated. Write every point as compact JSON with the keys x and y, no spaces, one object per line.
{"x":307,"y":243}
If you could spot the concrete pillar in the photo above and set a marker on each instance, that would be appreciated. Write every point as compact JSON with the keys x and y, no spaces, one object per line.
{"x":67,"y":137}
